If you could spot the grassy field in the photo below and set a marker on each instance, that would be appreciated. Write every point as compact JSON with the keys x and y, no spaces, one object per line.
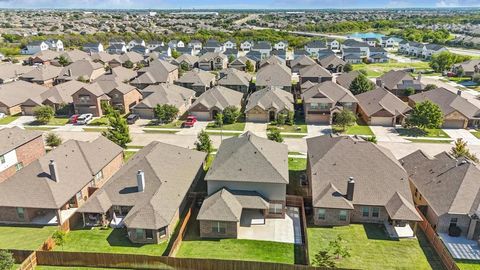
{"x":468,"y":265}
{"x":27,"y":238}
{"x":234,"y":249}
{"x":8,"y":119}
{"x":109,"y":241}
{"x":238,"y":126}
{"x":416,"y":132}
{"x":371,"y":248}
{"x":378,"y":69}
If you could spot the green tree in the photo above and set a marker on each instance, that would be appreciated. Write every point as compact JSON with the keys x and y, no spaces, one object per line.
{"x":175,"y":54}
{"x":59,"y":237}
{"x":281,"y":119}
{"x":361,"y":84}
{"x":249,"y":66}
{"x":460,"y":72}
{"x":118,"y":132}
{"x":231,"y":58}
{"x":204,"y":143}
{"x":219,"y":119}
{"x":460,"y":149}
{"x":409,"y":91}
{"x":128,"y":64}
{"x":6,"y":260}
{"x":430,"y":87}
{"x":231,"y":114}
{"x":43,"y":114}
{"x":348,"y":67}
{"x":53,"y":140}
{"x":443,"y":61}
{"x":345,"y":119}
{"x":274,"y":135}
{"x":165,"y":113}
{"x":426,"y":114}
{"x":82,"y":79}
{"x":290,"y":118}
{"x":338,"y":249}
{"x":62,"y":60}
{"x":372,"y":139}
{"x":107,"y":108}
{"x":323,"y":259}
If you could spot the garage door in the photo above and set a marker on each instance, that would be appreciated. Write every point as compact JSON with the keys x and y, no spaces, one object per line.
{"x":453,"y":124}
{"x":381,"y":121}
{"x":262,"y":118}
{"x":319,"y":119}
{"x":144,"y":113}
{"x":202,"y":116}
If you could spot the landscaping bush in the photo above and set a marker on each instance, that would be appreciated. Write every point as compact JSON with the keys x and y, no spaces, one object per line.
{"x":43,"y":114}
{"x":53,"y":140}
{"x":6,"y":260}
{"x":231,"y":114}
{"x":274,"y":135}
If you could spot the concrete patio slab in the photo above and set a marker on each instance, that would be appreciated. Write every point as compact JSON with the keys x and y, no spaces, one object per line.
{"x":461,"y":247}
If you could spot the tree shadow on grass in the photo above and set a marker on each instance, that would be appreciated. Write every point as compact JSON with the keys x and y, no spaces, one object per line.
{"x":376,"y":232}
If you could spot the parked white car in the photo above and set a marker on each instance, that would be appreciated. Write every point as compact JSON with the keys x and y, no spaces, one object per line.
{"x":84,"y":119}
{"x":2,"y":115}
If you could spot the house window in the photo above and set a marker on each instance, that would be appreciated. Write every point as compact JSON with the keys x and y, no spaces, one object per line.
{"x":84,"y":99}
{"x":163,"y":232}
{"x":2,"y":159}
{"x":321,"y":214}
{"x":342,"y":215}
{"x":416,"y":192}
{"x":324,"y":106}
{"x":375,"y":212}
{"x":314,"y":106}
{"x":138,"y":233}
{"x":219,"y":227}
{"x":453,"y":222}
{"x":79,"y":196}
{"x":99,"y":176}
{"x":365,"y":212}
{"x":275,"y":208}
{"x":19,"y":166}
{"x":149,"y":234}
{"x":21,"y":213}
{"x":348,"y":105}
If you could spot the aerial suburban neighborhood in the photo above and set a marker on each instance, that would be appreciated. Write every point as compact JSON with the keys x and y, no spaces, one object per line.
{"x":270,"y":136}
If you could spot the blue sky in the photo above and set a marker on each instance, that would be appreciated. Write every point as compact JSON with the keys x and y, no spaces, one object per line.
{"x":225,"y":4}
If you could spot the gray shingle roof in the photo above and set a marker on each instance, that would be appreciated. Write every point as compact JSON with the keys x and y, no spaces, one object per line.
{"x":270,"y":97}
{"x":15,"y":137}
{"x":219,"y":97}
{"x":394,"y":77}
{"x":346,"y":78}
{"x":274,"y":75}
{"x":42,"y":73}
{"x":165,"y":94}
{"x":197,"y":77}
{"x":15,"y":93}
{"x":328,"y":92}
{"x":331,"y":60}
{"x":232,"y":76}
{"x":380,"y":99}
{"x":157,"y":72}
{"x":315,"y":71}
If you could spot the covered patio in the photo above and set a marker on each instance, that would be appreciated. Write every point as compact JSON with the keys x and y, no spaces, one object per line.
{"x":461,"y":247}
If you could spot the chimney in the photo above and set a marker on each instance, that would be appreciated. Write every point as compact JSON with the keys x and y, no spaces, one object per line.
{"x":379,"y":82}
{"x":52,"y":166}
{"x":350,"y":188}
{"x":141,"y":181}
{"x":69,"y":72}
{"x":459,"y":92}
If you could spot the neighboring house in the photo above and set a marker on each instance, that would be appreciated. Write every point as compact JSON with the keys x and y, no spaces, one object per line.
{"x":197,"y":80}
{"x":280,"y":53}
{"x":85,"y":70}
{"x":332,"y":63}
{"x":322,"y":101}
{"x":104,"y":57}
{"x":345,"y":79}
{"x":132,"y":56}
{"x":175,"y":44}
{"x":46,"y":57}
{"x":271,"y":60}
{"x":346,"y":187}
{"x":265,"y":105}
{"x":241,"y":63}
{"x":14,"y":94}
{"x":75,"y":55}
{"x":42,"y":75}
{"x":352,"y":55}
{"x":122,"y":96}
{"x":196,"y":45}
{"x":35,"y":47}
{"x":152,"y":45}
{"x":248,"y":177}
{"x":88,"y":99}
{"x":362,"y":46}
{"x":314,"y":46}
{"x":157,"y":72}
{"x":159,"y":177}
{"x":246,"y":46}
{"x":185,"y":50}
{"x":94,"y":47}
{"x":333,"y":44}
{"x":469,"y":67}
{"x":379,"y":107}
{"x":372,"y":42}
{"x":18,"y":148}
{"x":11,"y":72}
{"x":117,"y":42}
{"x":231,"y":53}
{"x":135,"y":42}
{"x":235,"y":79}
{"x":255,"y":56}
{"x":214,"y":101}
{"x":142,"y":50}
{"x":263,"y":47}
{"x":377,"y":55}
{"x":186,"y":62}
{"x":314,"y":73}
{"x":446,"y":190}
{"x":281,"y":45}
{"x":163,"y":51}
{"x":388,"y":42}
{"x":276,"y":75}
{"x":55,"y":45}
{"x":300,"y":52}
{"x":325,"y":53}
{"x":53,"y":187}
{"x":430,"y":49}
{"x":458,"y":111}
{"x":398,"y":81}
{"x":411,"y":48}
{"x":213,"y":45}
{"x":301,"y":62}
{"x":212,"y":61}
{"x":118,"y":73}
{"x":162,"y":94}
{"x":117,"y":49}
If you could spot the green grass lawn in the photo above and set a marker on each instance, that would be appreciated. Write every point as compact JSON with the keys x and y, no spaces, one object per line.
{"x":370,"y":248}
{"x":174,"y":124}
{"x":27,"y":238}
{"x":357,"y":129}
{"x":39,"y":128}
{"x":233,"y":249}
{"x":102,"y":121}
{"x":128,"y":154}
{"x":8,"y":119}
{"x":95,"y":129}
{"x":107,"y":241}
{"x":476,"y":134}
{"x":416,"y":132}
{"x":468,"y":265}
{"x":301,"y":128}
{"x":160,"y":131}
{"x":296,"y":169}
{"x":429,"y":141}
{"x":378,"y":69}
{"x":238,"y":126}
{"x":46,"y":267}
{"x":225,"y":134}
{"x":56,"y":121}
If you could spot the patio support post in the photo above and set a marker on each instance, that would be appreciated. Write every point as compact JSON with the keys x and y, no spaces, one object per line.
{"x":59,"y":216}
{"x":471,"y":229}
{"x":415,"y":225}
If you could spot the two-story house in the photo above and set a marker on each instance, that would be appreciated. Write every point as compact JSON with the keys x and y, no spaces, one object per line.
{"x":212,"y":61}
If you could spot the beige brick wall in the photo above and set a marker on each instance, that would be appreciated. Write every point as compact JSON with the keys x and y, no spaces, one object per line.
{"x":356,"y":214}
{"x":331,"y":218}
{"x":130,"y":99}
{"x":206,"y":230}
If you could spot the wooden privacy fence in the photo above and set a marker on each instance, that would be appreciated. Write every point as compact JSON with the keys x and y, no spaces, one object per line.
{"x":445,"y":256}
{"x":183,"y":229}
{"x":297,"y":201}
{"x":133,"y":261}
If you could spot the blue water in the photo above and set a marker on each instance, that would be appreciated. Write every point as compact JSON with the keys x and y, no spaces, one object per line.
{"x":468,"y":83}
{"x":366,"y":35}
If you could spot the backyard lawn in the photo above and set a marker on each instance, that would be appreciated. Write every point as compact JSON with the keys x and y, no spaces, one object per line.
{"x":233,"y":249}
{"x":370,"y":248}
{"x":296,"y":168}
{"x":108,"y":241}
{"x":468,"y":265}
{"x":238,"y":126}
{"x":8,"y":119}
{"x":46,"y":267}
{"x":416,"y":132}
{"x":26,"y":238}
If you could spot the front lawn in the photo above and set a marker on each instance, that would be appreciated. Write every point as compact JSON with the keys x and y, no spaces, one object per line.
{"x":416,"y":132}
{"x":174,"y":124}
{"x":102,"y":121}
{"x":429,"y":141}
{"x":26,"y":238}
{"x":233,"y":249}
{"x":107,"y":241}
{"x":476,"y":134}
{"x":296,"y":170}
{"x":238,"y":126}
{"x":357,"y":129}
{"x":8,"y":119}
{"x":370,"y":248}
{"x":468,"y":265}
{"x":56,"y":121}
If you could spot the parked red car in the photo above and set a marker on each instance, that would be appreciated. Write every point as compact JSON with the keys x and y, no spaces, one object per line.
{"x":191,"y":120}
{"x":73,"y":118}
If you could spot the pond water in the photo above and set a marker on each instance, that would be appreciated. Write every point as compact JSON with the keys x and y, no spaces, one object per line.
{"x":467,"y":83}
{"x":366,"y":35}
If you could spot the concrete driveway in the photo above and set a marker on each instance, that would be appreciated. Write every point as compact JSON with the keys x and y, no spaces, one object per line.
{"x":199,"y":126}
{"x":463,"y":134}
{"x":318,"y":130}
{"x":387,"y":134}
{"x":259,"y":129}
{"x":21,"y":121}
